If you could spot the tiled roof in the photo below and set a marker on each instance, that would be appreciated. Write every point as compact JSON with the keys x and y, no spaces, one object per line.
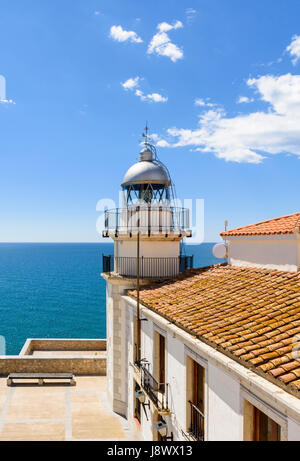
{"x":281,"y":225}
{"x":250,"y":314}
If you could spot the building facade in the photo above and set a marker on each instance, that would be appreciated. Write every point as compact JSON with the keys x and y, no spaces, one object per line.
{"x":200,"y":354}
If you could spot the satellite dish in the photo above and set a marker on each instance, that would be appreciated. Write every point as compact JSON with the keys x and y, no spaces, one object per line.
{"x":220,"y":251}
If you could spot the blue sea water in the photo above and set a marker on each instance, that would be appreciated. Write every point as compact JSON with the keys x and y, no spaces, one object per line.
{"x":54,"y":290}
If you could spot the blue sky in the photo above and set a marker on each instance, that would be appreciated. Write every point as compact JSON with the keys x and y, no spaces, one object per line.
{"x":218,"y":82}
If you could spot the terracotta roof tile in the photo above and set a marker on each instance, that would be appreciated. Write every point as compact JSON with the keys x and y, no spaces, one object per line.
{"x":281,"y":225}
{"x":250,"y":314}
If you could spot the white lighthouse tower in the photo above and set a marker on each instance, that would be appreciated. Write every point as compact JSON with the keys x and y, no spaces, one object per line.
{"x":147,"y":233}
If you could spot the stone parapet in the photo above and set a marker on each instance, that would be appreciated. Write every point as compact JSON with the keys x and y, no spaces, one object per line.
{"x":62,"y":344}
{"x":31,"y":364}
{"x":78,"y":356}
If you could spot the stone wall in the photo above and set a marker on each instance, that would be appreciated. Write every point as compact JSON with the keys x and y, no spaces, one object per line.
{"x":32,"y":364}
{"x":46,"y":344}
{"x":85,"y":364}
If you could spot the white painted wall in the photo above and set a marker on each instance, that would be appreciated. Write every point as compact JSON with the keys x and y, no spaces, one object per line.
{"x":149,"y":248}
{"x":117,"y":349}
{"x":109,"y":341}
{"x":175,"y":376}
{"x":280,"y":253}
{"x":293,"y":431}
{"x":225,"y":421}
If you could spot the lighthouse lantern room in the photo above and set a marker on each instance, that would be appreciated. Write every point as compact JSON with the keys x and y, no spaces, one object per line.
{"x":150,"y":214}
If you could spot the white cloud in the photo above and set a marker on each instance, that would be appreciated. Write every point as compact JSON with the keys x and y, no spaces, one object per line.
{"x":190,"y":14}
{"x":131,"y":83}
{"x":203,"y":103}
{"x":153,"y":97}
{"x":283,"y":93}
{"x":162,"y":143}
{"x":6,"y":101}
{"x":165,"y":26}
{"x":190,"y":11}
{"x":158,"y":140}
{"x":294,"y":49}
{"x":120,"y":35}
{"x":249,"y":138}
{"x":244,"y":100}
{"x":161,"y":43}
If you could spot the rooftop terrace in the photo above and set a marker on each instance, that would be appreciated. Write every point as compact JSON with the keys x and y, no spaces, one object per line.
{"x":59,"y":412}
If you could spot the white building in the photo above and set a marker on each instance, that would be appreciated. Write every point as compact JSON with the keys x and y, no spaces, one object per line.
{"x":212,"y":353}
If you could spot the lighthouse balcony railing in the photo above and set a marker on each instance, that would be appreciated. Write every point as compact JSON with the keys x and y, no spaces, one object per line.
{"x":151,"y":219}
{"x":149,"y":267}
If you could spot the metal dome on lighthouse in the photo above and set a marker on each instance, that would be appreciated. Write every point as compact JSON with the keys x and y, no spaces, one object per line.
{"x":148,"y":180}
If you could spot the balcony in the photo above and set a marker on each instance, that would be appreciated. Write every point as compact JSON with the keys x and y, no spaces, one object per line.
{"x":196,"y":430}
{"x":151,"y":219}
{"x":157,"y":392}
{"x":149,"y":267}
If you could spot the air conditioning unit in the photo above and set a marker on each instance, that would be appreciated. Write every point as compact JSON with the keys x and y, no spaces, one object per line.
{"x":161,"y":427}
{"x":140,"y":395}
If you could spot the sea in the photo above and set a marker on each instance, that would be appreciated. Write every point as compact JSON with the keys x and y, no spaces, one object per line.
{"x":54,"y":290}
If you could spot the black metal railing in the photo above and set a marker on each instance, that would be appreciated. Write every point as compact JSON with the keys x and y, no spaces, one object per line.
{"x":157,"y":392}
{"x":186,"y":262}
{"x":147,"y":219}
{"x":197,"y":423}
{"x":107,"y":263}
{"x":126,"y":266}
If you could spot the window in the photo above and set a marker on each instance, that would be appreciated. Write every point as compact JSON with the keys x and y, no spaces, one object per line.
{"x":198,"y":386}
{"x":258,"y":426}
{"x":162,"y":363}
{"x":195,"y":399}
{"x":160,"y":360}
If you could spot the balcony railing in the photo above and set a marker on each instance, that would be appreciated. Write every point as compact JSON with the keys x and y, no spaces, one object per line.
{"x":151,"y":219}
{"x":197,"y":423}
{"x":149,"y":267}
{"x":157,"y":392}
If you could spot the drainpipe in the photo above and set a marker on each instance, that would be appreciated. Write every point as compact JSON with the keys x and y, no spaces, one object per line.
{"x":138,"y":289}
{"x":297,"y":232}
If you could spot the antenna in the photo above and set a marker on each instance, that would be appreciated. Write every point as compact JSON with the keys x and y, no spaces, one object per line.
{"x":146,"y":131}
{"x":220,"y":250}
{"x":149,"y":143}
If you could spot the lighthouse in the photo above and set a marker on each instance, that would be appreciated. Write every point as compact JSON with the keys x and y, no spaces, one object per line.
{"x":147,"y":231}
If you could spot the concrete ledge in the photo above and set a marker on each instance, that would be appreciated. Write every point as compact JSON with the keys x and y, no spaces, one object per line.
{"x":62,"y":344}
{"x":30,"y":364}
{"x":57,"y":361}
